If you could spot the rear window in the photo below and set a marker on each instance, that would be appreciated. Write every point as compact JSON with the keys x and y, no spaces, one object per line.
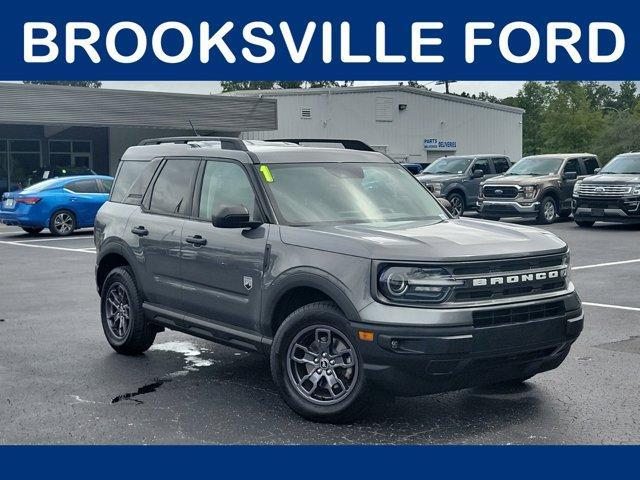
{"x":132,"y":180}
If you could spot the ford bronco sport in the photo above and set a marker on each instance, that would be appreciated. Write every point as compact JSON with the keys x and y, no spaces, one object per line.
{"x":540,"y":186}
{"x":338,"y":264}
{"x":612,"y":195}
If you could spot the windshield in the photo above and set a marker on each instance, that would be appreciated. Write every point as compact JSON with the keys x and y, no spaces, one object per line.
{"x":449,"y":165}
{"x":40,"y":186}
{"x":536,"y":166}
{"x":341,"y":193}
{"x":629,"y":163}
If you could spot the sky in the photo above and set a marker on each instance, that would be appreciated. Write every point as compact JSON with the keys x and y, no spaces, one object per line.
{"x":499,"y":89}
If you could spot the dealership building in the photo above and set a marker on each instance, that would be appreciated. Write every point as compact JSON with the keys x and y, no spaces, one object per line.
{"x":49,"y":126}
{"x":408,"y":124}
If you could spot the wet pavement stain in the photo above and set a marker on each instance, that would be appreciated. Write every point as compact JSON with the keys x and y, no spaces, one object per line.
{"x":149,"y":388}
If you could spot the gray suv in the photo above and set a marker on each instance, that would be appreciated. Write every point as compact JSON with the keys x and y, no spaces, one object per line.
{"x":337,"y":264}
{"x":458,"y":178}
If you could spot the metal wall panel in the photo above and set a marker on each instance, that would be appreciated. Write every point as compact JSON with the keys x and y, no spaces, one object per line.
{"x":477,"y":127}
{"x":53,"y":105}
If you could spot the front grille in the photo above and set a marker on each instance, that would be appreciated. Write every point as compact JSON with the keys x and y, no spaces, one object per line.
{"x":509,"y":316}
{"x":500,"y":279}
{"x":594,"y":190}
{"x":497,"y":191}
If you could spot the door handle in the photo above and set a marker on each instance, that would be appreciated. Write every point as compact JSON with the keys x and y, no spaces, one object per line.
{"x":196,"y":240}
{"x":140,"y":231}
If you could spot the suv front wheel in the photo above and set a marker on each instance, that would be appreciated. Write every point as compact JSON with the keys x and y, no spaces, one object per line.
{"x":122,"y":316}
{"x":317,"y":367}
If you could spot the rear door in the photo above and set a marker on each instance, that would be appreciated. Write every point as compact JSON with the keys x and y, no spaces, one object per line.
{"x":222,"y":267}
{"x":86,"y":197}
{"x":154,"y":230}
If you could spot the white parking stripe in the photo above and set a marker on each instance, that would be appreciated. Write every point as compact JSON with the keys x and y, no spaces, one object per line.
{"x":13,"y":233}
{"x":52,"y":239}
{"x":21,"y":244}
{"x":604,"y":305}
{"x":623,"y":262}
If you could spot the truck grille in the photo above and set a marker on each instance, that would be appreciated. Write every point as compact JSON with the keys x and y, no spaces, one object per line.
{"x":591,"y":190}
{"x":509,"y":316}
{"x":496,"y":191}
{"x":500,"y":279}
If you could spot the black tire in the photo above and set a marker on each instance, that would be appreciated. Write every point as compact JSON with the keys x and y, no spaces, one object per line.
{"x":305,"y":323}
{"x":457,"y":202}
{"x":585,"y":223}
{"x":565,"y":214}
{"x":62,"y":223}
{"x":548,"y":211}
{"x":32,"y":230}
{"x":491,"y":217}
{"x":138,"y":335}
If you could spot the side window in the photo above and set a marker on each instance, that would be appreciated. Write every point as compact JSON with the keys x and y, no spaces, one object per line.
{"x":501,"y":164}
{"x":83,"y":186}
{"x":106,"y":185}
{"x":572,"y":165}
{"x":482,"y":164}
{"x":590,"y":165}
{"x":172,"y":190}
{"x":226,"y":183}
{"x":127,"y":175}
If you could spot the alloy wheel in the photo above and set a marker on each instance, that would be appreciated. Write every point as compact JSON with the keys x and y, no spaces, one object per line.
{"x":63,"y":223}
{"x":118,"y":310}
{"x":322,"y":365}
{"x":549,"y":211}
{"x":456,"y":205}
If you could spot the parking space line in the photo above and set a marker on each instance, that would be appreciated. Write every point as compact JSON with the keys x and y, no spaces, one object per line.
{"x":21,"y":244}
{"x":53,"y":239}
{"x":623,"y":262}
{"x":604,"y":305}
{"x":13,"y":233}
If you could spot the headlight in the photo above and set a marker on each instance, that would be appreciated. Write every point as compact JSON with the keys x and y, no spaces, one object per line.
{"x":437,"y":188}
{"x":636,"y":190}
{"x":415,"y":284}
{"x":576,"y":188}
{"x":529,"y":191}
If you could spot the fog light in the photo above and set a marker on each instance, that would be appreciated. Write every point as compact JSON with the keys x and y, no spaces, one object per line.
{"x":394,"y":344}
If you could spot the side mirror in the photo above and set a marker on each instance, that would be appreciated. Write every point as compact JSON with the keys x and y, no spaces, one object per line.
{"x":446,"y":204}
{"x":570,"y":175}
{"x":477,"y":174}
{"x":233,"y":216}
{"x":597,"y":170}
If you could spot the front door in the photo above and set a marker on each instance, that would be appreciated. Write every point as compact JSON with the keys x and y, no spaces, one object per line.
{"x":572,"y":165}
{"x":155,"y":230}
{"x":474,"y":183}
{"x":222,"y":267}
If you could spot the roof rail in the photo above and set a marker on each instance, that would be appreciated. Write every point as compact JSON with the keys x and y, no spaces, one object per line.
{"x":227,"y":143}
{"x":348,"y":144}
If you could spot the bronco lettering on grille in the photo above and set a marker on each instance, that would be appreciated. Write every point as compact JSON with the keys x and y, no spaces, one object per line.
{"x":519,"y":278}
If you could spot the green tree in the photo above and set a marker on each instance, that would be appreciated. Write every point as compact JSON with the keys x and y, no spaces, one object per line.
{"x":233,"y":86}
{"x":67,"y":83}
{"x":621,"y":134}
{"x":628,"y":96}
{"x":534,"y":98}
{"x":570,"y":124}
{"x":600,"y":95}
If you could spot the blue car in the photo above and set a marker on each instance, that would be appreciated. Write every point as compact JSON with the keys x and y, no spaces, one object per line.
{"x":60,"y":204}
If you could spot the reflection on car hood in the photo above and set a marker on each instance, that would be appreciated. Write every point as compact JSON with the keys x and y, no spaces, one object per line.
{"x":613,"y":178}
{"x":448,"y":240}
{"x":520,"y":179}
{"x":444,"y":177}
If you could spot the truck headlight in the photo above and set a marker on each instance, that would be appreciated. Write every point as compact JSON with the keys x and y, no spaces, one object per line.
{"x":417,"y":284}
{"x":529,"y":191}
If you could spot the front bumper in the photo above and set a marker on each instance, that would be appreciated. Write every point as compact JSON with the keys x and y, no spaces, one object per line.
{"x":416,"y":360}
{"x":626,"y":209}
{"x":508,"y":208}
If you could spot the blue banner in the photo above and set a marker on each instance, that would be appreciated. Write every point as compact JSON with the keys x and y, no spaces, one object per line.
{"x":284,"y":40}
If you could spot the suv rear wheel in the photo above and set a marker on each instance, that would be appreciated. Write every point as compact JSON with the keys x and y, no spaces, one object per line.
{"x":548,"y":211}
{"x":122,"y":316}
{"x":316,"y":365}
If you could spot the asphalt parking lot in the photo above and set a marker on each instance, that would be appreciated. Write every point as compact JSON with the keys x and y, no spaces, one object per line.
{"x":60,"y":382}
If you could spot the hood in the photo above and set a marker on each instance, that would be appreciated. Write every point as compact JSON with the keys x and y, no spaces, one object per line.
{"x":443,"y":177}
{"x":520,"y":179}
{"x":608,"y":178}
{"x":438,"y":241}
